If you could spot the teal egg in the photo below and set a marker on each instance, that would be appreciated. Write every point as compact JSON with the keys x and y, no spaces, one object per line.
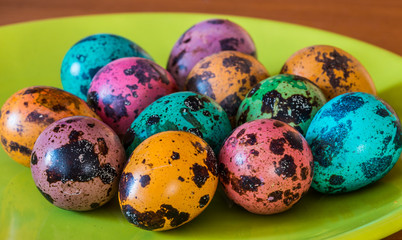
{"x":355,"y":139}
{"x":289,"y":98}
{"x":181,"y":111}
{"x":86,"y":57}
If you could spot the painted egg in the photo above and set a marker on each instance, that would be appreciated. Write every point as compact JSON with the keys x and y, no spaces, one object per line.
{"x":76,"y":163}
{"x":289,"y":98}
{"x":226,"y":77}
{"x":355,"y":139}
{"x":169,"y":180}
{"x":181,"y":111}
{"x":265,"y":166}
{"x":86,"y":57}
{"x":123,"y":88}
{"x":332,"y":69}
{"x":203,"y":39}
{"x":29,"y":111}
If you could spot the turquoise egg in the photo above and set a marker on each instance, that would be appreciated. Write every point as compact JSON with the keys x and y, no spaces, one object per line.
{"x":355,"y":139}
{"x":289,"y":98}
{"x":181,"y":111}
{"x":86,"y":57}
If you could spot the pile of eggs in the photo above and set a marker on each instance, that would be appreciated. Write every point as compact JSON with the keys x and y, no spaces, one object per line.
{"x":162,"y":139}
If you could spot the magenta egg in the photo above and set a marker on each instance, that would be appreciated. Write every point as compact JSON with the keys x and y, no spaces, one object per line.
{"x":266,"y":166}
{"x":76,"y":163}
{"x":123,"y":88}
{"x":203,"y":39}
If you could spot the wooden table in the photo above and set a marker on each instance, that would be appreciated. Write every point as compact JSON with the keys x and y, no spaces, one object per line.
{"x":373,"y":21}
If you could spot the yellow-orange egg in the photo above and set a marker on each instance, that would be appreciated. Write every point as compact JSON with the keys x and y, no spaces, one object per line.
{"x":332,"y":69}
{"x":170,"y":179}
{"x":29,"y":111}
{"x":226,"y":77}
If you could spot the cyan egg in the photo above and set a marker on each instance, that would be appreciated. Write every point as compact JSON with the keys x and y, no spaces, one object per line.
{"x":89,"y":55}
{"x":289,"y":98}
{"x":181,"y":111}
{"x":355,"y":139}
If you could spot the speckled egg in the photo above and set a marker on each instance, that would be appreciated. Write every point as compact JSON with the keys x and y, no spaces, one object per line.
{"x":203,"y":39}
{"x":334,"y":70}
{"x":86,"y":57}
{"x":123,"y":88}
{"x":76,"y":163}
{"x":355,"y":139}
{"x":226,"y":77}
{"x":265,"y":166}
{"x":289,"y":98}
{"x":184,"y":111}
{"x":29,"y":111}
{"x":169,"y":180}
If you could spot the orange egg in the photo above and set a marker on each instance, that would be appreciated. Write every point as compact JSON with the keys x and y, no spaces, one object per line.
{"x":29,"y":111}
{"x":170,"y":178}
{"x":226,"y":77}
{"x":332,"y":69}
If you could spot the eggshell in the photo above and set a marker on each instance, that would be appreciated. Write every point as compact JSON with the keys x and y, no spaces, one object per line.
{"x":84,"y":59}
{"x":226,"y":77}
{"x":170,"y":179}
{"x":289,"y":98}
{"x":265,"y":166}
{"x":334,"y":70}
{"x":355,"y":139}
{"x":76,"y":163}
{"x":29,"y":111}
{"x":122,"y":89}
{"x":203,"y":39}
{"x":184,"y":111}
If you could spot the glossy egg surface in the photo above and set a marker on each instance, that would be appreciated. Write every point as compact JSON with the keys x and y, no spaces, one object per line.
{"x":170,"y":179}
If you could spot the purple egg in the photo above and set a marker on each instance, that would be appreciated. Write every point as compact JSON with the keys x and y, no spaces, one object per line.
{"x":76,"y":163}
{"x":203,"y":39}
{"x":123,"y":88}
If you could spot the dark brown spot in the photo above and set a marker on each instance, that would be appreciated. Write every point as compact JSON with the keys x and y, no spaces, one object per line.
{"x":245,"y":183}
{"x":200,"y":174}
{"x":144,"y":180}
{"x":304,"y":173}
{"x":275,"y":196}
{"x":15,"y":147}
{"x":336,"y":180}
{"x":94,"y":205}
{"x":229,"y":44}
{"x":103,"y":149}
{"x":277,"y":146}
{"x":148,"y":220}
{"x":224,"y":173}
{"x":240,"y":133}
{"x":39,"y":118}
{"x":294,"y":139}
{"x":203,"y":201}
{"x":211,"y":162}
{"x":240,"y":64}
{"x":74,"y":135}
{"x":286,"y":167}
{"x":126,"y":184}
{"x":254,"y":152}
{"x":175,"y":155}
{"x":278,"y":124}
{"x":47,"y":196}
{"x":248,"y":140}
{"x":290,"y":197}
{"x":181,"y":179}
{"x":91,"y":125}
{"x":34,"y":158}
{"x":194,"y":103}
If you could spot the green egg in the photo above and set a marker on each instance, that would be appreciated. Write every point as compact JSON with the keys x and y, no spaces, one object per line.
{"x":181,"y":111}
{"x":289,"y":98}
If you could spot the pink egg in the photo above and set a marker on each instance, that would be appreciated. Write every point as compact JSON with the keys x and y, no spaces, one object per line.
{"x":76,"y":163}
{"x":266,"y":166}
{"x":123,"y":88}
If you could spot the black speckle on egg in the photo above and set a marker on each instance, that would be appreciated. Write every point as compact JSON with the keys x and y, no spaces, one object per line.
{"x":375,"y":166}
{"x":147,"y":220}
{"x":229,"y":44}
{"x":242,"y":65}
{"x":47,"y":196}
{"x":203,"y":201}
{"x":290,"y":197}
{"x":248,"y":139}
{"x":34,"y":158}
{"x":194,"y":103}
{"x":343,"y":106}
{"x":94,"y":205}
{"x":153,"y":119}
{"x":200,"y":83}
{"x":294,"y":139}
{"x":175,"y":156}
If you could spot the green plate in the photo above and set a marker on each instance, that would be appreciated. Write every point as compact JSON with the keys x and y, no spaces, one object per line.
{"x":31,"y":54}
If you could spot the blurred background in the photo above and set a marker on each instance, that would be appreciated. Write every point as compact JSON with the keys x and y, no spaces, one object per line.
{"x":373,"y":21}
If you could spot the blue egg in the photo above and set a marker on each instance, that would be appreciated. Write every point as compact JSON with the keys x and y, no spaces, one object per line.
{"x":355,"y":139}
{"x":181,"y":111}
{"x":86,"y":57}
